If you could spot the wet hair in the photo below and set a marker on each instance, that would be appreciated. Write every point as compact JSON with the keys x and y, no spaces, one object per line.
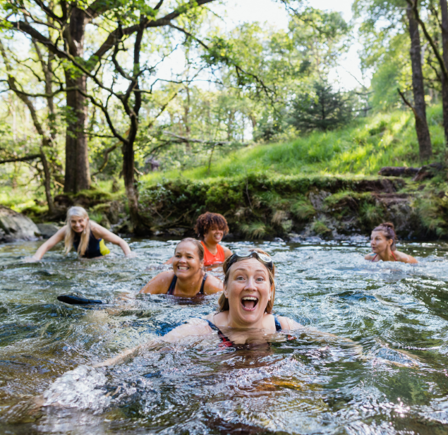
{"x":208,"y":221}
{"x":70,"y":234}
{"x":198,"y":245}
{"x":389,"y":232}
{"x":223,"y":302}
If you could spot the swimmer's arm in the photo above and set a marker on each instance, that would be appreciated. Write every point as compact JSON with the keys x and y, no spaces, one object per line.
{"x":170,"y":261}
{"x":369,"y":257}
{"x":159,"y":284}
{"x":195,"y":327}
{"x":101,"y":233}
{"x":212,"y":285}
{"x":406,"y":258}
{"x":50,"y":243}
{"x":227,"y":252}
{"x":124,"y":356}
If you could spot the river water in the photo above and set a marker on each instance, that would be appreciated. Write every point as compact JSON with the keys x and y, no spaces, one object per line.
{"x":398,"y":313}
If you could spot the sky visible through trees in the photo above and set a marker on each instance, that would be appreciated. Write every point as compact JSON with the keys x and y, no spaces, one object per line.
{"x":275,"y":14}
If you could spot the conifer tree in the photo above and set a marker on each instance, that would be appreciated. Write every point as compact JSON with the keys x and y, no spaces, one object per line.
{"x":324,"y":109}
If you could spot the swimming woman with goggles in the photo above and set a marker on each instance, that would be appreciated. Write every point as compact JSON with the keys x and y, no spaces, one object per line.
{"x":245,"y":308}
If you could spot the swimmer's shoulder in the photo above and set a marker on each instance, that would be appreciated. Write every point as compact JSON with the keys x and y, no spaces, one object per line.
{"x":192,"y":327}
{"x":212,"y":285}
{"x":288,"y":324}
{"x":227,"y":251}
{"x":198,"y":326}
{"x":370,"y":257}
{"x":159,"y":284}
{"x":405,"y":258}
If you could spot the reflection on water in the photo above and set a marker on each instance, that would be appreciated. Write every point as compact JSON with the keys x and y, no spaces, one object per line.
{"x":398,"y":313}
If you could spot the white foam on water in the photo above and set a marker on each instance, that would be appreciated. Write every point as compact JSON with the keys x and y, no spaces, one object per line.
{"x":82,"y":388}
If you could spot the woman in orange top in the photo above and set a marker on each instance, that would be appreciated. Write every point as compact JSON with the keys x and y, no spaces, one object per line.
{"x":211,"y":228}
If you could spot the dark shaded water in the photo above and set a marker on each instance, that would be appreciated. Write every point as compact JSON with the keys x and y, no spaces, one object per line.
{"x":397,"y":312}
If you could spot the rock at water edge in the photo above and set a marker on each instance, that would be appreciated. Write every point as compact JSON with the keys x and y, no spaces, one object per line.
{"x":15,"y":226}
{"x":47,"y":230}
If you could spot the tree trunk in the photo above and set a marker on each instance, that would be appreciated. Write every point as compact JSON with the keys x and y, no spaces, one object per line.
{"x":421,"y":125}
{"x":77,"y":171}
{"x":186,"y":119}
{"x":129,"y":183}
{"x":443,"y":6}
{"x":47,"y":180}
{"x":128,"y":146}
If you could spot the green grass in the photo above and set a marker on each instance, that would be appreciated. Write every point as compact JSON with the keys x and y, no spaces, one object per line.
{"x":20,"y":198}
{"x":362,"y":148}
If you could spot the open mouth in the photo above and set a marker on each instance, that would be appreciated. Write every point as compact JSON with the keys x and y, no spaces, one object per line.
{"x":249,"y":303}
{"x":182,"y":268}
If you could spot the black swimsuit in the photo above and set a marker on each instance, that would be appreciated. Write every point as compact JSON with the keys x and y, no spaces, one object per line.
{"x":95,"y":248}
{"x":173,"y":286}
{"x":226,"y":342}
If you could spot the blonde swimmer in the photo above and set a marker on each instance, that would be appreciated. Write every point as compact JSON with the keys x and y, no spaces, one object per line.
{"x":86,"y":237}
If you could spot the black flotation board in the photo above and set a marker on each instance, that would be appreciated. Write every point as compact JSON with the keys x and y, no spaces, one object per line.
{"x":78,"y":300}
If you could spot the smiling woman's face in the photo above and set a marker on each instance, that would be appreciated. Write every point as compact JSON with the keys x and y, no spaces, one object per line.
{"x":213,"y":236}
{"x":186,"y":260}
{"x":78,"y":224}
{"x":248,"y":291}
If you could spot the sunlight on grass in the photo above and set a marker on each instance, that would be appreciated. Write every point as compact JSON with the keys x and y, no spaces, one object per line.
{"x":20,"y":198}
{"x":363,"y":148}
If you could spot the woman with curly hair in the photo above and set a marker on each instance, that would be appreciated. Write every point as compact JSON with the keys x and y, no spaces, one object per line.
{"x":383,"y":243}
{"x":211,"y":228}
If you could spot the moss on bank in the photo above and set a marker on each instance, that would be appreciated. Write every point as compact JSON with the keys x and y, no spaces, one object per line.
{"x":260,"y":206}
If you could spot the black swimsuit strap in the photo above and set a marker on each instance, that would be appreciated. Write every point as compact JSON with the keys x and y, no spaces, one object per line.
{"x":278,"y":326}
{"x":226,"y":341}
{"x":201,"y":292}
{"x":172,"y":286}
{"x":174,"y":281}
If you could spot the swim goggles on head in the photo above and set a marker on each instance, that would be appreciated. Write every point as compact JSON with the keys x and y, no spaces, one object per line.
{"x":262,"y":258}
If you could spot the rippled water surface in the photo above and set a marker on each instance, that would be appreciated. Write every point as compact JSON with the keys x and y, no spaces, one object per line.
{"x":398,"y":313}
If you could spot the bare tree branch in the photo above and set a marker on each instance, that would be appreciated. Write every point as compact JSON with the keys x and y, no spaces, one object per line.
{"x":268,"y":91}
{"x":21,"y":159}
{"x":106,"y":158}
{"x":406,"y":101}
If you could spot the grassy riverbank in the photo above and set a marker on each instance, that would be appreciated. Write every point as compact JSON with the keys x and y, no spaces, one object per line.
{"x":323,"y":184}
{"x":360,"y":149}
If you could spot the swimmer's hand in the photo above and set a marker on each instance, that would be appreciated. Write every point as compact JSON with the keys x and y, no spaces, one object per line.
{"x":32,"y":259}
{"x":124,"y":356}
{"x":132,"y":255}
